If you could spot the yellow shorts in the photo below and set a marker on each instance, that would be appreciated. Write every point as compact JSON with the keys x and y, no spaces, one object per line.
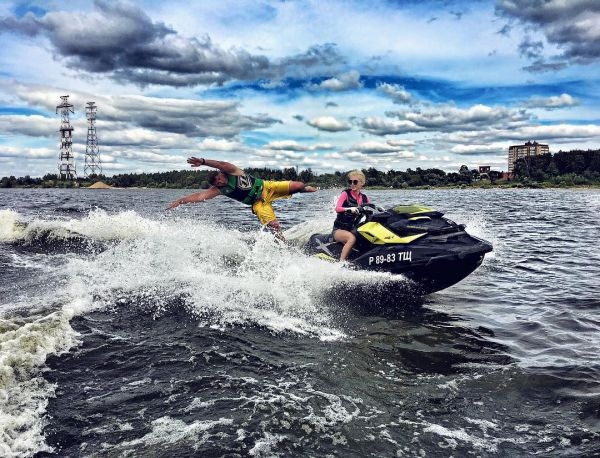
{"x":272,"y":190}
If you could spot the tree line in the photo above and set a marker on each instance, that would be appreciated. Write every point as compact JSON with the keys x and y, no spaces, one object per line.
{"x":570,"y":168}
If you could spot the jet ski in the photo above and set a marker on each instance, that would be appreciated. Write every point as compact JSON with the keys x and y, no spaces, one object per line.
{"x":415,"y":241}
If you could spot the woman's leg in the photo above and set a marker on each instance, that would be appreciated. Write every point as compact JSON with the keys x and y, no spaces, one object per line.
{"x":348,"y":239}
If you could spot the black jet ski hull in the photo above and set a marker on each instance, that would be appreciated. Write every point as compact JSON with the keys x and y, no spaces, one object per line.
{"x":431,"y":251}
{"x":432,"y":268}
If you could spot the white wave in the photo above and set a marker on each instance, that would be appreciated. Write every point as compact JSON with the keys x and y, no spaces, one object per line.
{"x":10,"y":229}
{"x":101,"y":226}
{"x":452,"y":436}
{"x":166,"y":430}
{"x":264,"y":446}
{"x":29,"y":337}
{"x":97,"y":225}
{"x":24,"y":393}
{"x":298,"y":235}
{"x":225,"y":277}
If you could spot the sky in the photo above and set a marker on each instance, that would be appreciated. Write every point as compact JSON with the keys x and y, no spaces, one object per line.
{"x":330,"y":85}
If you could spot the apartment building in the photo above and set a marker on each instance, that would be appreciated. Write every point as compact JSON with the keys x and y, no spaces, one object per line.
{"x":528,"y":149}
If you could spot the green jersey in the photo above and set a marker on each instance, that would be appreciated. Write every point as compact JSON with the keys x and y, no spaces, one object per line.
{"x":245,"y":188}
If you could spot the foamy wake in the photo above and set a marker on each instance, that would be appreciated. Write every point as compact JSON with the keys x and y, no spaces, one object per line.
{"x":24,"y":393}
{"x":222,"y":277}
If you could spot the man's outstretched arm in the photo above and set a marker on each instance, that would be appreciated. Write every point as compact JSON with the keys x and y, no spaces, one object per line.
{"x":196,"y":197}
{"x":223,"y":166}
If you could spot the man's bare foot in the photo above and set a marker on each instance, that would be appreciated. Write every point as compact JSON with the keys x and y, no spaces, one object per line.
{"x":309,"y":189}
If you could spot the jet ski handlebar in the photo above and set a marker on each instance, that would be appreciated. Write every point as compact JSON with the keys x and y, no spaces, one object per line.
{"x":366,"y":210}
{"x":370,"y":208}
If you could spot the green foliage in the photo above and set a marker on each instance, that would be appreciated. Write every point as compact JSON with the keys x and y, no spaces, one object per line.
{"x":572,"y":168}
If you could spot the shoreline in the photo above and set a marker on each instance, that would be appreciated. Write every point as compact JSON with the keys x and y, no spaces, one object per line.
{"x":540,"y":186}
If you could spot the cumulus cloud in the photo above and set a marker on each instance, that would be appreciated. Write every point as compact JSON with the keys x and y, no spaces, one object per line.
{"x":382,"y":126}
{"x":531,"y":49}
{"x":375,"y":147}
{"x":450,"y":118}
{"x":542,"y":66}
{"x":329,"y":124}
{"x":27,"y":153}
{"x":143,"y":138}
{"x":292,"y":145}
{"x":118,"y":114}
{"x":477,"y":142}
{"x":149,"y":157}
{"x":551,"y":103}
{"x":318,"y":57}
{"x":479,"y":149}
{"x":403,"y":143}
{"x":288,"y":155}
{"x":396,"y":92}
{"x":558,"y":131}
{"x":573,"y":26}
{"x":276,"y":157}
{"x":380,"y":160}
{"x":119,"y":39}
{"x":343,"y":82}
{"x":216,"y":144}
{"x":29,"y":125}
{"x":192,"y":118}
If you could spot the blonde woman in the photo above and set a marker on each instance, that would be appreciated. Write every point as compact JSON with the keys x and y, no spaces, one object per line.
{"x":347,"y":211}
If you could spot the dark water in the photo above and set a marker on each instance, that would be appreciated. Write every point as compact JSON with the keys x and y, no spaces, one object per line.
{"x":129,"y":331}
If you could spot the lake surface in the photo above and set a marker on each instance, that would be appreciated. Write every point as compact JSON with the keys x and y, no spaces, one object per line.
{"x":126,"y":330}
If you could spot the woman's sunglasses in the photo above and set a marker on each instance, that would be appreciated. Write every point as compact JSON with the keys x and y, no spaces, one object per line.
{"x":354,"y":182}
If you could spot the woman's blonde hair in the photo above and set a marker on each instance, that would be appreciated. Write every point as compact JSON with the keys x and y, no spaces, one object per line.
{"x":359,"y":174}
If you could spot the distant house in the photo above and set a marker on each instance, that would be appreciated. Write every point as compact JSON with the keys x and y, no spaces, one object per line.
{"x":528,"y":149}
{"x":484,"y":172}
